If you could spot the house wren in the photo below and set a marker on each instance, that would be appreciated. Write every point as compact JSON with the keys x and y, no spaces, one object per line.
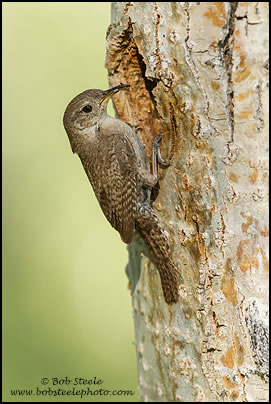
{"x":117,"y":167}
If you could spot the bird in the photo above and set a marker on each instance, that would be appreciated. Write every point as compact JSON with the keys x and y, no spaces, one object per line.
{"x":118,"y":169}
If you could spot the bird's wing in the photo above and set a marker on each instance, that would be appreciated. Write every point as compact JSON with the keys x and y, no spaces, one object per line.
{"x":116,"y":183}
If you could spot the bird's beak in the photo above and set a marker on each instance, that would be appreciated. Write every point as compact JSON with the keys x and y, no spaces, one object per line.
{"x":111,"y":91}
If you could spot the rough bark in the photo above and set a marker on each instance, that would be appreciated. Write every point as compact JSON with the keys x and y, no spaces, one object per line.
{"x":198,"y":74}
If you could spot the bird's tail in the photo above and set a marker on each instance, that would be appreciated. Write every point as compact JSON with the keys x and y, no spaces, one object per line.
{"x":148,"y":226}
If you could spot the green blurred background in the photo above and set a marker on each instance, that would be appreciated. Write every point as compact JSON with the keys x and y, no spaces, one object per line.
{"x":67,"y":309}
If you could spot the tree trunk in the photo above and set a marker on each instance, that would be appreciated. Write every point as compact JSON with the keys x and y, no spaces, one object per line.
{"x":198,"y":74}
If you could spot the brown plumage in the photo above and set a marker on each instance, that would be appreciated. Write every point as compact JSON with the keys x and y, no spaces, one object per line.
{"x":115,"y":162}
{"x":114,"y":182}
{"x":147,"y":224}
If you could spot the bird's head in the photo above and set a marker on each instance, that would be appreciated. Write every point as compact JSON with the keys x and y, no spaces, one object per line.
{"x":86,"y":109}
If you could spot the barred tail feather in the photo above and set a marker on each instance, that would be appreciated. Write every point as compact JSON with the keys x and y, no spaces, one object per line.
{"x":148,"y":226}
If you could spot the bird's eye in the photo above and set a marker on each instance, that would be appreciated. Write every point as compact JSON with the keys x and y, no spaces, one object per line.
{"x":87,"y":108}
